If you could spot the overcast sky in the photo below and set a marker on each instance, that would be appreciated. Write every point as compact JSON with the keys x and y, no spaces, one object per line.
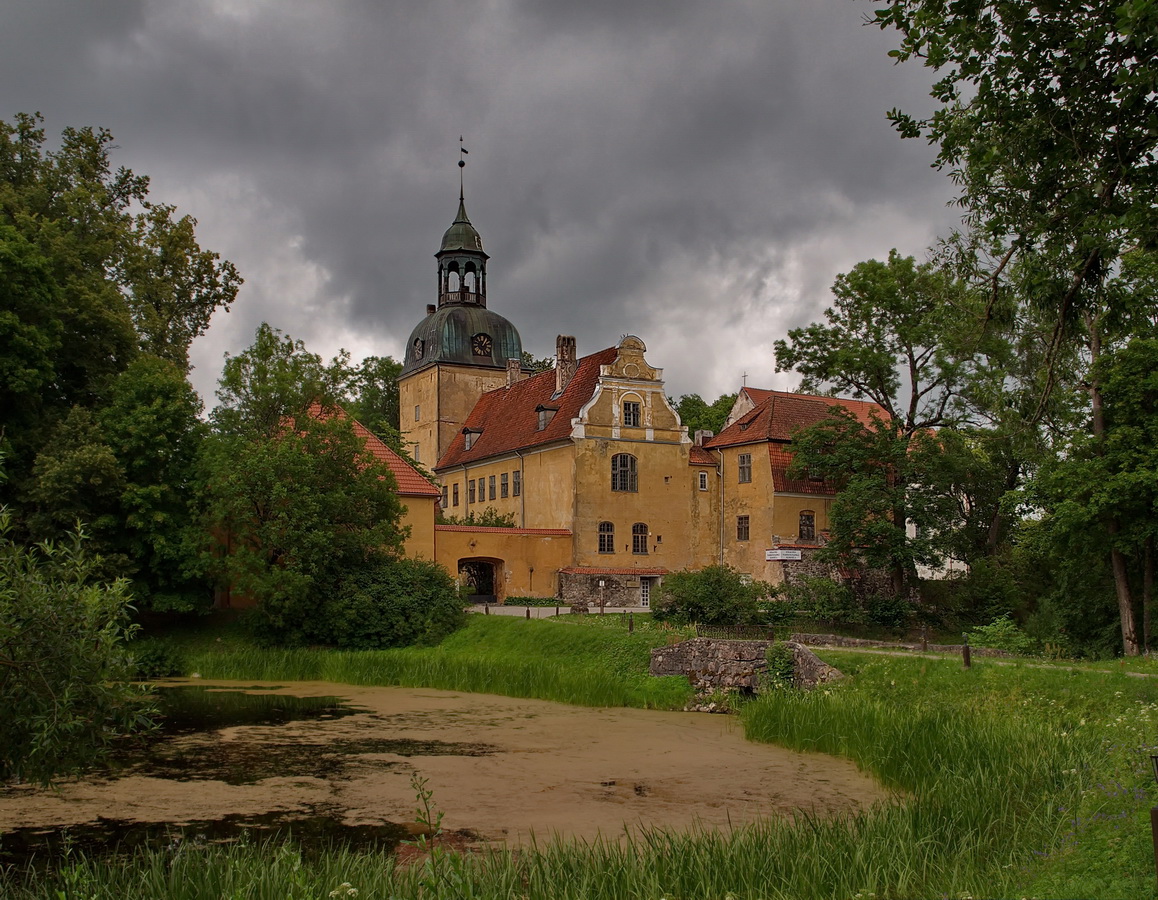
{"x":696,"y":173}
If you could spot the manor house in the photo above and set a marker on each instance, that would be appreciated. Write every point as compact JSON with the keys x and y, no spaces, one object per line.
{"x":607,"y":489}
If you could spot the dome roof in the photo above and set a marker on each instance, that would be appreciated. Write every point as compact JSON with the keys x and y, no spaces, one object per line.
{"x":448,"y":335}
{"x":461,"y":235}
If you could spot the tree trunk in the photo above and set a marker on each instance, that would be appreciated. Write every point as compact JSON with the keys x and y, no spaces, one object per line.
{"x":1113,"y":527}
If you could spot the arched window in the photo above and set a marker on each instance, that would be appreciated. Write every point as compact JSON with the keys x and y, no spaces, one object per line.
{"x":606,"y":537}
{"x":639,"y":538}
{"x":623,"y":473}
{"x":807,"y":526}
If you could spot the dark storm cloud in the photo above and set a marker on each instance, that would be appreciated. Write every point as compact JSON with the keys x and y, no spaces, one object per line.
{"x":696,"y":173}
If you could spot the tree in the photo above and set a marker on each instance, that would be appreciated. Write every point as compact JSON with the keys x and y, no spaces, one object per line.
{"x":64,"y":672}
{"x":92,"y":272}
{"x":375,"y":403}
{"x":536,"y":364}
{"x":699,"y":415}
{"x":294,"y":502}
{"x":1046,"y":123}
{"x":899,"y":334}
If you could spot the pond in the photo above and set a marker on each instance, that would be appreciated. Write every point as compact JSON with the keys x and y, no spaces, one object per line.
{"x":328,"y":761}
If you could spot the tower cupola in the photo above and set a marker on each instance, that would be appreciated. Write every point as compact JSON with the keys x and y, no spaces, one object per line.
{"x":462,"y":263}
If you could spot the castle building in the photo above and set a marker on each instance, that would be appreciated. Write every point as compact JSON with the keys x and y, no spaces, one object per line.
{"x":607,"y":490}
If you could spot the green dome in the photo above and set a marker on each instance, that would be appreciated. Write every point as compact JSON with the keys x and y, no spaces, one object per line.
{"x":459,"y":334}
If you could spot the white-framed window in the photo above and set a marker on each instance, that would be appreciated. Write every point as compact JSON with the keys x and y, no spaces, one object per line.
{"x":703,"y":481}
{"x":504,"y":484}
{"x":639,"y":538}
{"x":624,"y":475}
{"x":645,"y":592}
{"x":631,"y":413}
{"x":516,"y":483}
{"x":606,"y":537}
{"x":470,"y":490}
{"x":491,"y":486}
{"x":445,"y":490}
{"x":744,"y":468}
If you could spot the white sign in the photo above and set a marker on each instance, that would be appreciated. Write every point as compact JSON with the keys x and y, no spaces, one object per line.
{"x":779,"y":555}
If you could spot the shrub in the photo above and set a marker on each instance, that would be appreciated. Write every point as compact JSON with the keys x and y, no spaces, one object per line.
{"x":781,"y":672}
{"x":888,"y":610}
{"x":392,"y":603}
{"x":716,"y":595}
{"x":826,"y":601}
{"x":1002,"y":634}
{"x":156,"y":658}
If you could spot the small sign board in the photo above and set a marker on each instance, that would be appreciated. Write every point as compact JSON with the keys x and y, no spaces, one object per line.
{"x":781,"y":555}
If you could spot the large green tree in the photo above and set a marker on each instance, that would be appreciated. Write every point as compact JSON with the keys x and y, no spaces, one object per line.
{"x":1045,"y":120}
{"x":699,"y":415}
{"x":92,"y":272}
{"x":294,"y":502}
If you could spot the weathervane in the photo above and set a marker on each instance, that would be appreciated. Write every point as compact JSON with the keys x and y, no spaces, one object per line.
{"x":462,"y":151}
{"x":744,"y":375}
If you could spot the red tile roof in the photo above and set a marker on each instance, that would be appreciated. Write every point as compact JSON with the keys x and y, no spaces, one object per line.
{"x":411,"y":482}
{"x":507,"y":418}
{"x":780,"y":414}
{"x":593,"y":570}
{"x":698,"y":456}
{"x":491,"y":529}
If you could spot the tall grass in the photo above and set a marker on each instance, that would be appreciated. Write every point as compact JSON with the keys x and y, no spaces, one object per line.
{"x":493,"y":654}
{"x":1009,"y":782}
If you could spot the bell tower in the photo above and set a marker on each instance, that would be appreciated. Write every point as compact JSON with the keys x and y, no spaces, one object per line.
{"x":459,"y":351}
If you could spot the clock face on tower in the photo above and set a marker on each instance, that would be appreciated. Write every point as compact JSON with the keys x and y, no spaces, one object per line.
{"x":481,"y":345}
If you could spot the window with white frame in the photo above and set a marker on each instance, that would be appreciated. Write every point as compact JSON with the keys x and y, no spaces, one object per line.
{"x":504,"y":484}
{"x":470,"y":490}
{"x":703,"y":481}
{"x":491,"y":486}
{"x":516,"y":483}
{"x":744,"y":468}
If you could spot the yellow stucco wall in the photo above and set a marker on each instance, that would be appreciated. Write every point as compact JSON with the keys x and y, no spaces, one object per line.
{"x":527,"y":563}
{"x":419,"y":516}
{"x":546,"y":487}
{"x":418,"y":414}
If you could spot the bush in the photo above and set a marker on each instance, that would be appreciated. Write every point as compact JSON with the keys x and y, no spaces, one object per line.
{"x":1003,"y":634}
{"x":392,"y":603}
{"x":156,"y":658}
{"x":888,"y":610}
{"x":781,"y":672}
{"x":716,"y":595}
{"x":826,"y":601}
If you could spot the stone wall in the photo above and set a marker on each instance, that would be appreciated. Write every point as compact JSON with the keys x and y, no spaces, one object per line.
{"x":836,"y":640}
{"x":864,"y":581}
{"x":583,"y":590}
{"x":711,"y":664}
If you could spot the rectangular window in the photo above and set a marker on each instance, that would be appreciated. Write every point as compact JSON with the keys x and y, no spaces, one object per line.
{"x":444,"y":497}
{"x":470,"y":490}
{"x":745,"y":468}
{"x":491,"y":482}
{"x":516,"y":483}
{"x":631,"y":413}
{"x":807,"y":527}
{"x":703,"y":481}
{"x":606,"y":537}
{"x":417,"y":413}
{"x":504,"y":485}
{"x":454,"y":495}
{"x":741,"y":528}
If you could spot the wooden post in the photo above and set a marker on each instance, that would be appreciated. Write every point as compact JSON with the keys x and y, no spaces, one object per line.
{"x":966,"y":656}
{"x":528,"y":612}
{"x":486,"y":609}
{"x":556,"y":609}
{"x":630,"y":623}
{"x":1154,"y":833}
{"x":924,"y":638}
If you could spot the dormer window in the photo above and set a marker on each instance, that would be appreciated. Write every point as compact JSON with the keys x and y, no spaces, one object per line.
{"x":419,"y":346}
{"x":546,"y":414}
{"x":470,"y":435}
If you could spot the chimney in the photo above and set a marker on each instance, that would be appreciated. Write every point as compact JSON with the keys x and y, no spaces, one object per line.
{"x":514,"y":371}
{"x":565,"y":362}
{"x":703,"y":435}
{"x":430,"y":309}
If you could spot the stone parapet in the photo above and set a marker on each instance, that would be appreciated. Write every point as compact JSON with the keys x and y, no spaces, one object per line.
{"x":711,"y":665}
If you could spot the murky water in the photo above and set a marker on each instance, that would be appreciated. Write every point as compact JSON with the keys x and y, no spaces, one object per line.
{"x":328,"y":762}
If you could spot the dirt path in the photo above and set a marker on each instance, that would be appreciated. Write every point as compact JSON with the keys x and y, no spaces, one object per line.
{"x":539,"y":767}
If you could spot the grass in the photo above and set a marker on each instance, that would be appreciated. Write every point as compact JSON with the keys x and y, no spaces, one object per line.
{"x":586,"y":666}
{"x":1012,"y":781}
